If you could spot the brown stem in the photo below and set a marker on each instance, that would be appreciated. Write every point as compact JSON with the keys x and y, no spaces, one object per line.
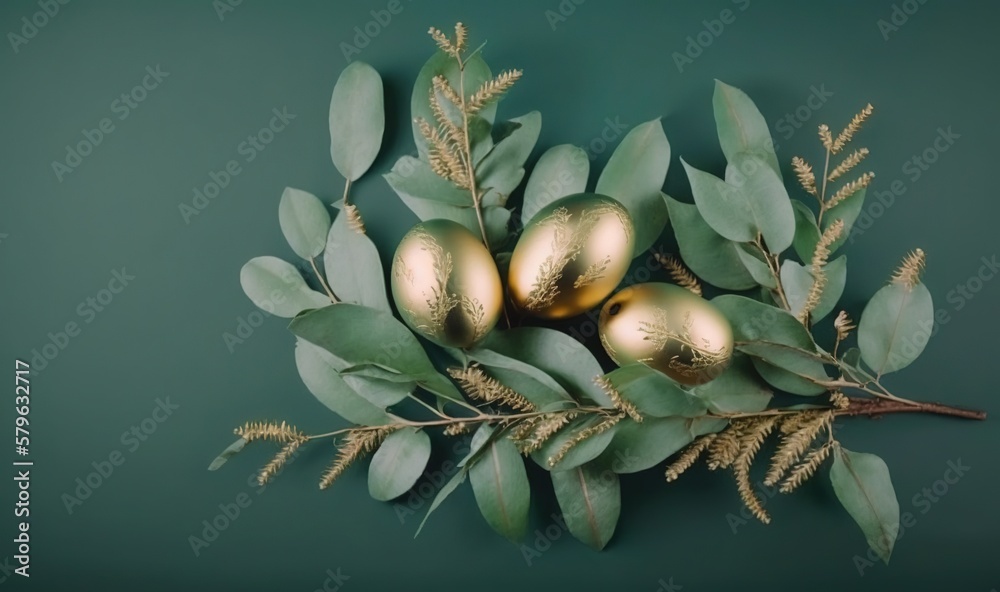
{"x":874,"y":407}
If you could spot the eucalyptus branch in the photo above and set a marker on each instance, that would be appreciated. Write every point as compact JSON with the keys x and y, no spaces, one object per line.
{"x":322,"y":280}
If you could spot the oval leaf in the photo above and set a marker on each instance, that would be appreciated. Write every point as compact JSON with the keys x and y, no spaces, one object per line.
{"x":562,"y":170}
{"x":710,"y":256}
{"x":317,"y":368}
{"x":862,"y":484}
{"x":895,"y":327}
{"x":634,"y":176}
{"x":590,"y":499}
{"x":741,"y":127}
{"x":502,"y":170}
{"x":357,"y":120}
{"x":500,"y":483}
{"x":806,"y":231}
{"x":304,"y":221}
{"x":640,"y":446}
{"x":277,"y":287}
{"x":736,"y":390}
{"x":653,"y":393}
{"x":226,"y":454}
{"x":353,"y":267}
{"x":585,"y":451}
{"x":398,"y":463}
{"x":797,"y":280}
{"x":555,"y":353}
{"x":753,"y":202}
{"x":360,"y":335}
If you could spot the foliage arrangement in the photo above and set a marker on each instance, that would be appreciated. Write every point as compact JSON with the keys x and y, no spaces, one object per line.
{"x":535,"y":392}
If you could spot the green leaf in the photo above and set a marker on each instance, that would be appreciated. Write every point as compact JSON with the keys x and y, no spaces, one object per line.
{"x":634,"y":176}
{"x":797,"y":280}
{"x":699,"y":426}
{"x":501,"y":171}
{"x":442,"y":494}
{"x":851,"y":363}
{"x":754,"y":262}
{"x":585,"y":451}
{"x":741,"y":126}
{"x":895,"y":327}
{"x":277,"y":287}
{"x":555,"y":353}
{"x":353,"y":267}
{"x":653,"y":393}
{"x":774,"y":336}
{"x":736,"y":390}
{"x":862,"y":484}
{"x":710,"y":256}
{"x":357,"y":120}
{"x":398,"y":463}
{"x":476,"y":73}
{"x":806,"y":231}
{"x":590,"y":499}
{"x":754,"y":202}
{"x":562,"y":170}
{"x":785,"y":380}
{"x":228,"y":453}
{"x":847,"y":210}
{"x":640,"y":446}
{"x":430,"y":197}
{"x":535,"y":384}
{"x":500,"y":484}
{"x":362,"y":335}
{"x":318,"y":369}
{"x":304,"y":222}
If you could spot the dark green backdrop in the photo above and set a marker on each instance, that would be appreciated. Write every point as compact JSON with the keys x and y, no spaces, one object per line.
{"x":162,"y":335}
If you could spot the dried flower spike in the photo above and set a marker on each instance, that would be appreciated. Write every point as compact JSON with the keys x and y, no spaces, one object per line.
{"x":687,"y":458}
{"x":616,"y":397}
{"x":681,"y":275}
{"x":804,"y":171}
{"x":804,"y":470}
{"x":599,"y":428}
{"x":278,"y":462}
{"x":852,"y":128}
{"x":909,"y":271}
{"x":492,"y":90}
{"x":847,"y":164}
{"x":478,"y":385}
{"x":358,"y":443}
{"x":819,"y":260}
{"x":272,"y":431}
{"x":849,"y":189}
{"x":844,"y":325}
{"x":825,"y":137}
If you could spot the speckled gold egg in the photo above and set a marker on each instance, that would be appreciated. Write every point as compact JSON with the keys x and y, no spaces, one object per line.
{"x":571,"y":256}
{"x":445,"y":283}
{"x":669,"y":329}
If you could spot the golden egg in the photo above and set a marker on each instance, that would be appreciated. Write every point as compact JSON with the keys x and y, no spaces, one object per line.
{"x":571,"y":256}
{"x":669,"y":329}
{"x":446,"y":284}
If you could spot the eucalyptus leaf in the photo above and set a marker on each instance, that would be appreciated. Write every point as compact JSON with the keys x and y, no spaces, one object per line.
{"x":226,"y":454}
{"x":362,"y":335}
{"x":304,"y":221}
{"x":318,"y":370}
{"x":741,"y":126}
{"x":785,"y":380}
{"x":797,"y":281}
{"x":353,"y":267}
{"x":895,"y":327}
{"x":500,"y":484}
{"x":357,"y":120}
{"x":847,"y":210}
{"x":634,"y":176}
{"x":585,"y":451}
{"x":502,"y":170}
{"x":755,"y":264}
{"x":398,"y":463}
{"x":755,"y":202}
{"x":806,"y":231}
{"x":737,"y":390}
{"x":476,"y":72}
{"x":862,"y":484}
{"x":442,"y":494}
{"x":640,"y":446}
{"x":555,"y":353}
{"x":850,"y":361}
{"x":277,"y":287}
{"x":590,"y":499}
{"x":710,"y":256}
{"x":562,"y":170}
{"x":706,"y":424}
{"x":653,"y":393}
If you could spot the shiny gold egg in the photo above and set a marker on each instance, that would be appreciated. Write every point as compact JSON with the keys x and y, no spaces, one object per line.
{"x":446,"y":284}
{"x":572,"y":254}
{"x":669,"y":329}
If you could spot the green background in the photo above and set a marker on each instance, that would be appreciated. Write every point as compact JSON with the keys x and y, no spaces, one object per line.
{"x":163,"y":335}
